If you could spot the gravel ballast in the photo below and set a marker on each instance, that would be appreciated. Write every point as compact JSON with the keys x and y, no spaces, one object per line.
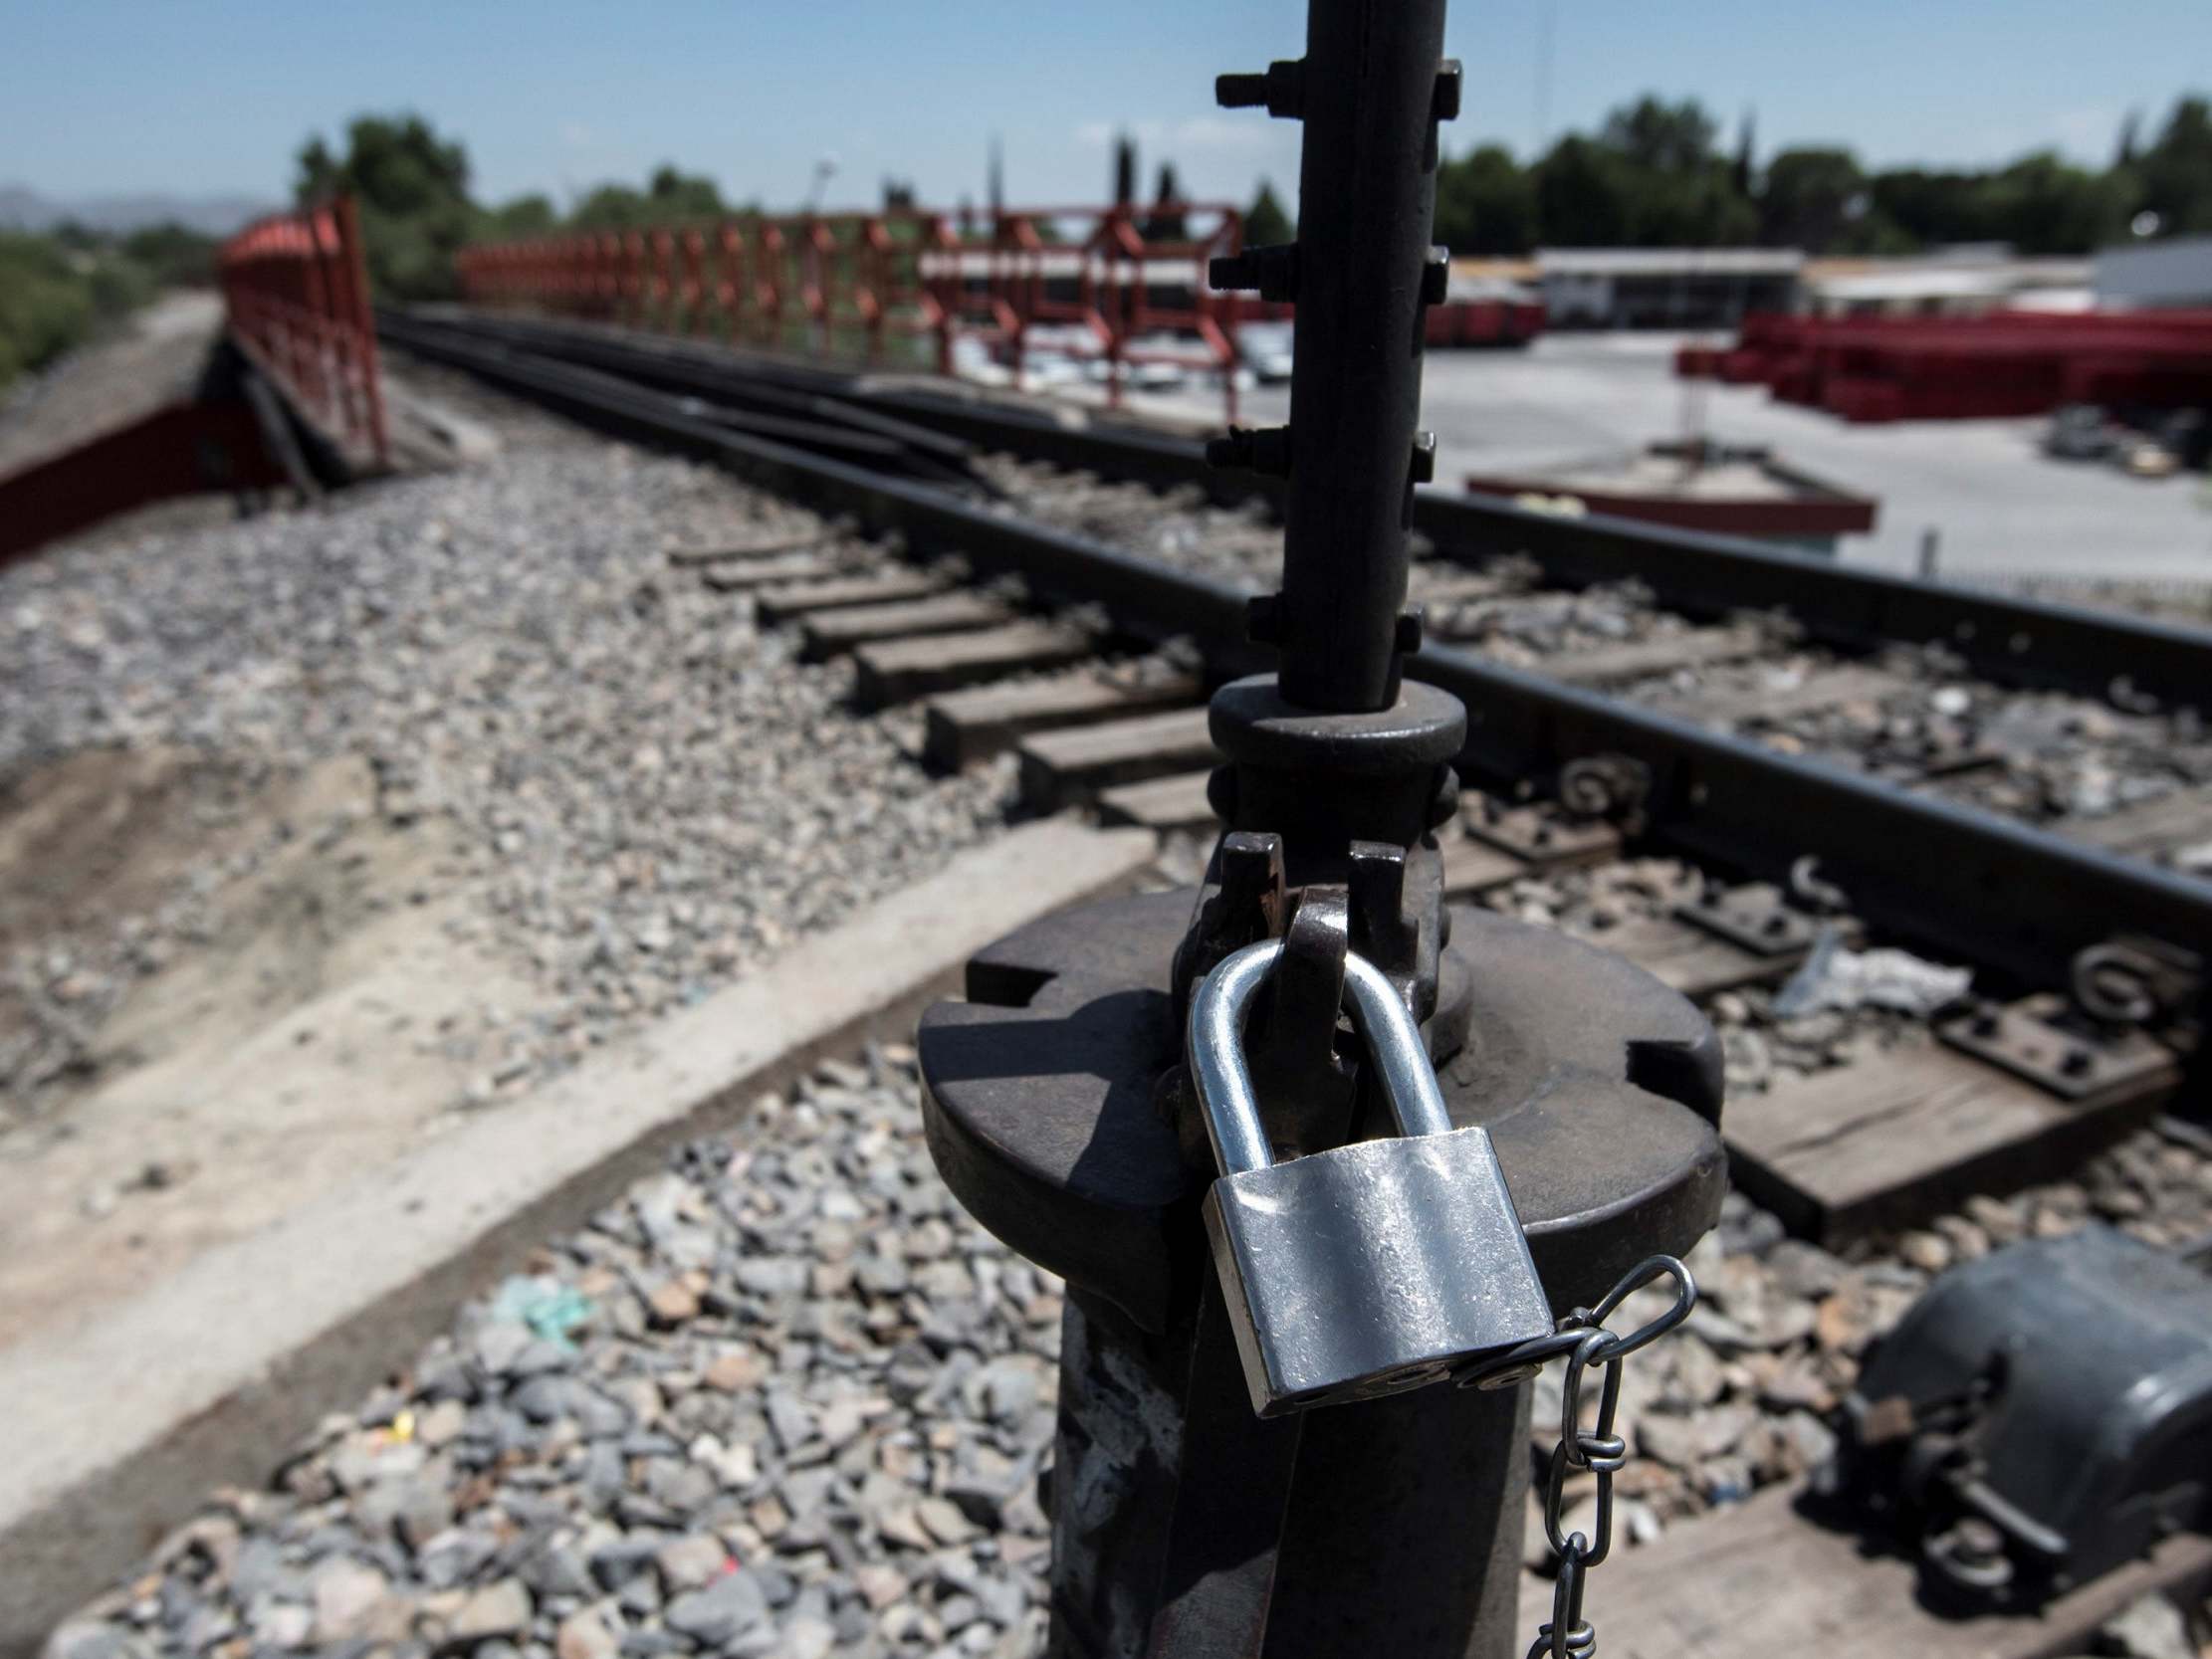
{"x":785,"y":1397}
{"x":652,"y":796}
{"x":1920,"y":719}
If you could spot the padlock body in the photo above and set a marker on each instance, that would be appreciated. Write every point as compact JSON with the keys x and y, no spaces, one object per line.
{"x":1371,"y":1269}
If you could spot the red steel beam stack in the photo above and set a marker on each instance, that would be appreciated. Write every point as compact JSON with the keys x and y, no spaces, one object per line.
{"x":1969,"y":367}
{"x":1484,"y":323}
{"x":847,"y":283}
{"x":296,"y":289}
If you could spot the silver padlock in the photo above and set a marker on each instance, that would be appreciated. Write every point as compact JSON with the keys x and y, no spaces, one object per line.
{"x":1368,"y":1269}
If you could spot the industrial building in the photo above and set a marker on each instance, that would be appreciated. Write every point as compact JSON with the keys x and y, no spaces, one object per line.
{"x":1664,"y":288}
{"x":2156,"y":274}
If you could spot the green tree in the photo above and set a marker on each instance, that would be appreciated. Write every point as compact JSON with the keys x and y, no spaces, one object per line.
{"x":58,"y":290}
{"x":1930,"y":207}
{"x":1653,"y":177}
{"x":1582,"y":195}
{"x":2044,"y":205}
{"x":1487,"y":203}
{"x":1809,"y":199}
{"x":1659,"y":137}
{"x":669,"y":197}
{"x":1165,"y":227}
{"x":45,"y":305}
{"x":172,"y":256}
{"x":2176,"y":170}
{"x":1265,"y":222}
{"x":1698,"y":208}
{"x":413,"y":191}
{"x":530,"y":215}
{"x":1745,"y":175}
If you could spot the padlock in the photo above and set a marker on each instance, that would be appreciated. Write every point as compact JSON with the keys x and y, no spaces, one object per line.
{"x":1368,"y":1269}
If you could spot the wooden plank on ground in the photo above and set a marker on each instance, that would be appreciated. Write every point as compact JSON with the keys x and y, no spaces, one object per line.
{"x":1691,"y":648}
{"x":1064,"y":767}
{"x":739,"y":575}
{"x":1160,"y":803}
{"x":1896,"y":1137}
{"x":781,"y":604}
{"x":901,"y":669}
{"x":2179,"y":818}
{"x":833,"y":633}
{"x":1826,"y":688}
{"x":733,"y":551}
{"x":1761,"y":1578}
{"x":1454,"y":586}
{"x":1692,"y":959}
{"x":978,"y":723}
{"x":1471,"y":867}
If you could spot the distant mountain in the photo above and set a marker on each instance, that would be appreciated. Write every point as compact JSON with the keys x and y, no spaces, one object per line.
{"x":24,"y":209}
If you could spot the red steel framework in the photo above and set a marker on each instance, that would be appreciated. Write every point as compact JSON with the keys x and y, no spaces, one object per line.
{"x":296,"y":289}
{"x":1965,"y":367}
{"x":1086,"y":283}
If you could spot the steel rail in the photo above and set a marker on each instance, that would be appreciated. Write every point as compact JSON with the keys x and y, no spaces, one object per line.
{"x":1960,"y":882}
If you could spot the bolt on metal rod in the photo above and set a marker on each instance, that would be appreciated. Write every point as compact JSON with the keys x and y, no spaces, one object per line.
{"x":1370,"y":89}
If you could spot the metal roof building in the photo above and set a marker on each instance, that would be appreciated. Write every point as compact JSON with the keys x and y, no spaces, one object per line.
{"x":1664,"y":288}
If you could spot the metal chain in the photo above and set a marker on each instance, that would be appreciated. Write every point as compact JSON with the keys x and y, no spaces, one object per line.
{"x":1601,"y":1449}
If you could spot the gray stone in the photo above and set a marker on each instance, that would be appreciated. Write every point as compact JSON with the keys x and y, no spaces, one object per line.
{"x":690,"y":1563}
{"x":1005,"y":1391}
{"x":543,"y":1398}
{"x":726,"y":1610}
{"x":440,"y":1424}
{"x":499,"y":1344}
{"x":603,"y":1476}
{"x":105,"y":1641}
{"x":586,"y":1634}
{"x":1675,"y":1441}
{"x":284,"y":1624}
{"x":542,"y":1357}
{"x":498,"y":1609}
{"x":618,"y":1560}
{"x":351,"y":1599}
{"x":2150,"y":1627}
{"x":772,"y":1276}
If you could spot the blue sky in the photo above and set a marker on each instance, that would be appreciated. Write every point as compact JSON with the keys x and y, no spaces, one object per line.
{"x":205,"y":96}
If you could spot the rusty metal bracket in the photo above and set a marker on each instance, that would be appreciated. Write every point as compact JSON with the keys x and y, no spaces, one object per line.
{"x":1753,"y":917}
{"x":2133,"y":980}
{"x":1541,"y":833}
{"x":1608,"y":787}
{"x":2038,"y":1038}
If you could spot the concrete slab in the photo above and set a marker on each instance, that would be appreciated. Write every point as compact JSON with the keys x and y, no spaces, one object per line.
{"x":2002,"y":510}
{"x":209,"y":1373}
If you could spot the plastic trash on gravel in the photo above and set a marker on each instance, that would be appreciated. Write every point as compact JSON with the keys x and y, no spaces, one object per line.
{"x":1834,"y":976}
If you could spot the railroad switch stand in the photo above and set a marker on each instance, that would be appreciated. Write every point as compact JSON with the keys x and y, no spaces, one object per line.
{"x":1060,"y":1110}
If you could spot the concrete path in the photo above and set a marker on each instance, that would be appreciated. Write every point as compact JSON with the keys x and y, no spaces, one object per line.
{"x":121,"y":1421}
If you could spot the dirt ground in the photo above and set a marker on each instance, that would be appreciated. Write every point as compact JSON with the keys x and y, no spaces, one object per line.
{"x":321,"y":1017}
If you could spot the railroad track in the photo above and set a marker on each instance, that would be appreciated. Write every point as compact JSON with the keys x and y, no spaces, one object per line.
{"x":2055,"y":716}
{"x":1732,"y":785}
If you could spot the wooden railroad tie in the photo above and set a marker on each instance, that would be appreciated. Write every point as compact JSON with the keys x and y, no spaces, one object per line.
{"x":972,"y":724}
{"x":901,"y":669}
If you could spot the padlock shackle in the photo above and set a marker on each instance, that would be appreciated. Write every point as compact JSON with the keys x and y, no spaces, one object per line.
{"x":1395,"y":1045}
{"x":1213,"y":1050}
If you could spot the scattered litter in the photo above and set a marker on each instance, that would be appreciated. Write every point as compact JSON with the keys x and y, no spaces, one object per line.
{"x":548,"y":1308}
{"x":1834,"y":976}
